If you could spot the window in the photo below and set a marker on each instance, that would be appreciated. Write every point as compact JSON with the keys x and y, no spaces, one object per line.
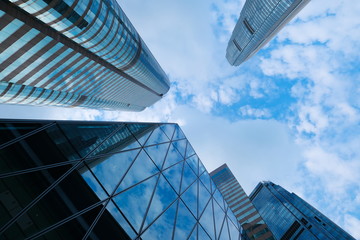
{"x":237,"y":45}
{"x":248,"y":26}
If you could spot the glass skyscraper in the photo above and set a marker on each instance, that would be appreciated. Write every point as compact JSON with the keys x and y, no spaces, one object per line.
{"x":75,"y":53}
{"x":290,"y":217}
{"x":251,"y":222}
{"x":259,"y":22}
{"x":106,"y":180}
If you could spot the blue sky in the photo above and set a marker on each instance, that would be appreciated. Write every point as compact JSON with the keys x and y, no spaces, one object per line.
{"x":290,"y":114}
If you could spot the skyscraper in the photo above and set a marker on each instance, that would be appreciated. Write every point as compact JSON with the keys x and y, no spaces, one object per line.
{"x":102,"y":180}
{"x":251,"y":222}
{"x":290,"y":217}
{"x":259,"y":22}
{"x":82,"y":53}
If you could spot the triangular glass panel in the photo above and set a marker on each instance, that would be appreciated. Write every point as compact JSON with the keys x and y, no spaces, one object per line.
{"x":219,"y":199}
{"x":189,"y":197}
{"x":178,"y":133}
{"x":141,"y":169}
{"x":122,"y":140}
{"x":115,"y":213}
{"x":173,"y":175}
{"x":111,"y":170}
{"x":172,"y":157}
{"x":141,"y":130}
{"x":94,"y":184}
{"x":232,"y":217}
{"x":234,"y":232}
{"x":168,"y":129}
{"x":189,"y":150}
{"x":205,"y":179}
{"x":219,"y":216}
{"x":157,"y":153}
{"x":203,"y":235}
{"x":180,"y":146}
{"x":86,"y":137}
{"x":7,"y":129}
{"x":204,"y":196}
{"x":194,"y":163}
{"x":164,"y":195}
{"x":134,"y":202}
{"x":201,"y":168}
{"x":194,"y":233}
{"x":224,"y":235}
{"x":156,"y":137}
{"x":185,"y":222}
{"x":207,"y":220}
{"x":73,"y":229}
{"x":163,"y":227}
{"x":213,"y":186}
{"x":188,"y":177}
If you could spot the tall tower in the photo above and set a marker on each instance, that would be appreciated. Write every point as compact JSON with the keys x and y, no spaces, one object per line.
{"x":290,"y":217}
{"x":259,"y":22}
{"x":251,"y":222}
{"x":75,"y":54}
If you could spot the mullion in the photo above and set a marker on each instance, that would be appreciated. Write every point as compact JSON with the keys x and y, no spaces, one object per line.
{"x":46,"y":191}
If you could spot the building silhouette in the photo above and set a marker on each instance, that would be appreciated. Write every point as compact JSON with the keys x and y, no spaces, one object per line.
{"x":106,"y":180}
{"x":75,"y":54}
{"x":290,"y":217}
{"x":259,"y":22}
{"x":253,"y":226}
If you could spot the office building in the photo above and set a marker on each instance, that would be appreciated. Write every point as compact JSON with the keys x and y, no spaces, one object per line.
{"x":259,"y":22}
{"x":290,"y":217}
{"x":251,"y":222}
{"x":106,"y":180}
{"x":82,"y":53}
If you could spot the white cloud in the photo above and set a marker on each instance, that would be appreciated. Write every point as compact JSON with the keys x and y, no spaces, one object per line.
{"x":352,"y":225}
{"x":248,"y":111}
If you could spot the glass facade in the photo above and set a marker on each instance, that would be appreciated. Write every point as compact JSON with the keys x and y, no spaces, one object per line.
{"x":251,"y":222}
{"x":259,"y":22}
{"x":290,"y":217}
{"x":91,"y":180}
{"x":82,"y":53}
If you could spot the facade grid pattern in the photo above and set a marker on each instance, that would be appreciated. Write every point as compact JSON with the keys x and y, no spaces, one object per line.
{"x":246,"y":214}
{"x":82,"y":53}
{"x":259,"y":22}
{"x":290,"y":217}
{"x":91,"y":180}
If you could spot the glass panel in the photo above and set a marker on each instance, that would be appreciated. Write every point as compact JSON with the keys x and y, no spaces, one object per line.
{"x":110,"y":170}
{"x":189,"y":150}
{"x":173,"y":175}
{"x":11,"y":130}
{"x":194,"y":233}
{"x":172,"y":157}
{"x":219,"y":217}
{"x":180,"y":145}
{"x":164,"y":195}
{"x":157,"y":136}
{"x":70,"y":196}
{"x":193,"y":162}
{"x":141,"y":169}
{"x":204,"y":196}
{"x":224,"y":235}
{"x":119,"y":218}
{"x":234,"y":232}
{"x":134,"y":202}
{"x":168,"y":129}
{"x":219,"y":199}
{"x":178,"y":133}
{"x":122,"y":140}
{"x":86,"y":137}
{"x":202,"y":234}
{"x":28,"y":153}
{"x":190,"y":198}
{"x":231,"y":216}
{"x":207,"y":221}
{"x":112,"y":225}
{"x":94,"y":184}
{"x":188,"y":177}
{"x":205,"y":179}
{"x":157,"y":153}
{"x":201,"y":168}
{"x":185,"y":222}
{"x":141,"y":131}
